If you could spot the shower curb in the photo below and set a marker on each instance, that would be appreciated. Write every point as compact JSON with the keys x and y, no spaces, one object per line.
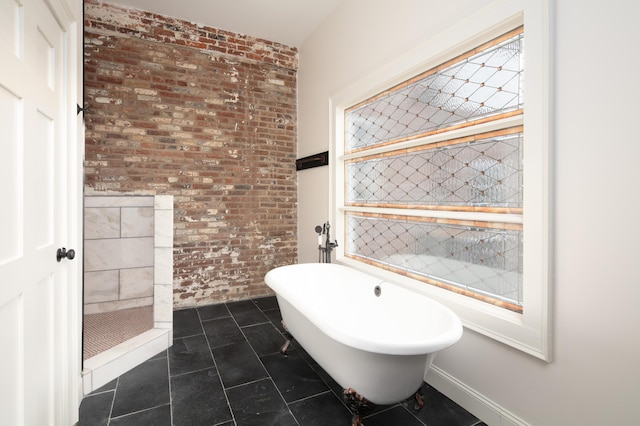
{"x":101,"y":369}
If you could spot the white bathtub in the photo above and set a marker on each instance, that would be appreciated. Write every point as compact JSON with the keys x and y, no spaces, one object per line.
{"x":379,"y":346}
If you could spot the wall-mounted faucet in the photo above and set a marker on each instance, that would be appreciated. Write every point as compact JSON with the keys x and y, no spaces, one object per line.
{"x":325,"y":249}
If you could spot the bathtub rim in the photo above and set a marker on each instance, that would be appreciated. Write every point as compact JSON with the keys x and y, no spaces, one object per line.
{"x":425,"y":346}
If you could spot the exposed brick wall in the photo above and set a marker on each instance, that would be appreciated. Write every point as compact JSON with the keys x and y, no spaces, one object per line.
{"x":209,"y":117}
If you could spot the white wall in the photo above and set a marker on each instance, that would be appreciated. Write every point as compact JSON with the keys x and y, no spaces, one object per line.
{"x":360,"y":35}
{"x":594,"y":378}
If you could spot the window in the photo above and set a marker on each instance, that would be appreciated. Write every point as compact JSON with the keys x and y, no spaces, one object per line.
{"x":431,"y":185}
{"x":480,"y":172}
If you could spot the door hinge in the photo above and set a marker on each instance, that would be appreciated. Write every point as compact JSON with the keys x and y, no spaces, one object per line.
{"x":86,"y":108}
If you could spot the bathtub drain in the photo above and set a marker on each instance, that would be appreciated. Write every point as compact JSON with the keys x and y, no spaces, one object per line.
{"x":377,"y":291}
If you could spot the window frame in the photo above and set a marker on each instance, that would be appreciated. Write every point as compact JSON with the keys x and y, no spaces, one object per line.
{"x":529,"y":331}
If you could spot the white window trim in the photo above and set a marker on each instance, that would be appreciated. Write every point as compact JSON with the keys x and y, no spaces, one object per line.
{"x":530,"y":331}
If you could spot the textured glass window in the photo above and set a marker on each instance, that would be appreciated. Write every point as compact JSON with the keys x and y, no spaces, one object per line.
{"x":473,"y":245}
{"x":477,"y":85}
{"x":475,"y":260}
{"x":487,"y":172}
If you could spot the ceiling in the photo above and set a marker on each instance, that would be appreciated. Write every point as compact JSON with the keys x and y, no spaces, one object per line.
{"x":288,"y":22}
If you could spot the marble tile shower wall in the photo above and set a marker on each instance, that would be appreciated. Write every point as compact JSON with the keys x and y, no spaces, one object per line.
{"x":119,"y":253}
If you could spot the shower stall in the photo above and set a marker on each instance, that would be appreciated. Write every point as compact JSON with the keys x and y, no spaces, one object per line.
{"x":128,"y":283}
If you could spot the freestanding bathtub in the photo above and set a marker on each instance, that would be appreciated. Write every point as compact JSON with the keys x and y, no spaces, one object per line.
{"x":372,"y":337}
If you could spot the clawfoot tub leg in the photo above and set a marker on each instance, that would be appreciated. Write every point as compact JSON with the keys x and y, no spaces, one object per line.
{"x":356,"y":420}
{"x":289,"y":337}
{"x":419,"y":403}
{"x":356,"y":403}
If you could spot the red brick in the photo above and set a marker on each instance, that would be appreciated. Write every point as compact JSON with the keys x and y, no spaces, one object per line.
{"x":225,"y":231}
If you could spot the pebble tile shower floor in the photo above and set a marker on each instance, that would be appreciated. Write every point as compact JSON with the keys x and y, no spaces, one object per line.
{"x":105,"y":330}
{"x":225,"y":369}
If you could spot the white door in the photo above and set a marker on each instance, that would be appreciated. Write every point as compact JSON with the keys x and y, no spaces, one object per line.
{"x":39,"y":348}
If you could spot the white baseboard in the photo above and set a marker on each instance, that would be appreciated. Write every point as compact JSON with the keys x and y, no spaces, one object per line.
{"x":471,"y":400}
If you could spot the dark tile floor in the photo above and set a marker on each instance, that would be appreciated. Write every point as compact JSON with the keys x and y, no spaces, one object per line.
{"x":225,"y":369}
